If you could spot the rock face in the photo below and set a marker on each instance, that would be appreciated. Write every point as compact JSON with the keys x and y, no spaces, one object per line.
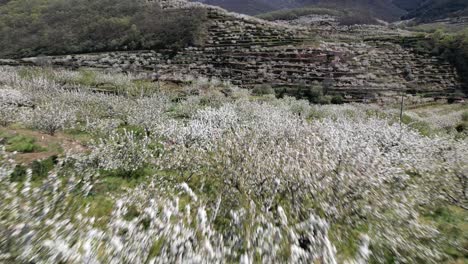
{"x":250,"y":51}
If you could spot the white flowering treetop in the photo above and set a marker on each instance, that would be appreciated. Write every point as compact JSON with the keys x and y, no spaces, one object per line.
{"x":222,"y":178}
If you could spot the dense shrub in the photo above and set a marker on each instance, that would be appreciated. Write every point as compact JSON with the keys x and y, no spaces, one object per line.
{"x":315,"y":94}
{"x":40,"y":168}
{"x":30,"y":28}
{"x":463,"y":125}
{"x":22,"y":144}
{"x":263,"y":89}
{"x":337,"y":99}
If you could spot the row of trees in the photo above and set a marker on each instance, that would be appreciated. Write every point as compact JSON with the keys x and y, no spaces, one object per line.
{"x":43,"y":27}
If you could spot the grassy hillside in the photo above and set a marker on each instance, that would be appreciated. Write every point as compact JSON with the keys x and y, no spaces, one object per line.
{"x":249,"y":7}
{"x":383,"y":9}
{"x":450,"y":45}
{"x":30,"y":28}
{"x":436,"y":9}
{"x":408,"y":4}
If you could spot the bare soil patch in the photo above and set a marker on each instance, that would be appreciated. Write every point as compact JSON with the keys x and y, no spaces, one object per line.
{"x":54,"y":145}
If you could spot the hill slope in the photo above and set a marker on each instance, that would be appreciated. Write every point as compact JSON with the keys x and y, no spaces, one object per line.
{"x":430,"y":10}
{"x":43,"y":27}
{"x":250,"y":7}
{"x":408,"y":5}
{"x":390,"y":10}
{"x":383,"y":9}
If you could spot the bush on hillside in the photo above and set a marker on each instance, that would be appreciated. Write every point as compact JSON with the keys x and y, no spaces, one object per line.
{"x":337,"y":99}
{"x":263,"y":89}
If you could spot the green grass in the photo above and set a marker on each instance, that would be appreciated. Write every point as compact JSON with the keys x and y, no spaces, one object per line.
{"x":424,"y":114}
{"x":462,"y":127}
{"x":144,"y":87}
{"x":39,"y":170}
{"x":118,"y":180}
{"x":465,"y":116}
{"x":424,"y":128}
{"x":452,"y":222}
{"x":18,"y":174}
{"x":433,"y":27}
{"x":79,"y":135}
{"x":21,"y":143}
{"x":29,"y":73}
{"x":348,"y":246}
{"x":87,"y":78}
{"x":156,"y":248}
{"x":100,"y":206}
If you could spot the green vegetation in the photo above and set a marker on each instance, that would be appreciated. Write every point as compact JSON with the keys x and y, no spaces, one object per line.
{"x":436,"y":9}
{"x":452,"y":222}
{"x":291,"y":14}
{"x":39,"y":170}
{"x":337,"y":99}
{"x":407,"y":4}
{"x":462,"y":127}
{"x":438,"y":119}
{"x":90,"y":78}
{"x":263,"y":89}
{"x":451,"y":46}
{"x":18,"y":174}
{"x":383,"y":9}
{"x":21,"y":143}
{"x":315,"y":94}
{"x":232,"y":160}
{"x":346,"y":16}
{"x":422,"y":127}
{"x":46,"y":27}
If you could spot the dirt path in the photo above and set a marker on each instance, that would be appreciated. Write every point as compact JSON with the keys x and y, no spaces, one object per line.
{"x":54,"y":145}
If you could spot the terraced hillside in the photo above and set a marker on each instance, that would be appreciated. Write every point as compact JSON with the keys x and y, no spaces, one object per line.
{"x":291,"y":59}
